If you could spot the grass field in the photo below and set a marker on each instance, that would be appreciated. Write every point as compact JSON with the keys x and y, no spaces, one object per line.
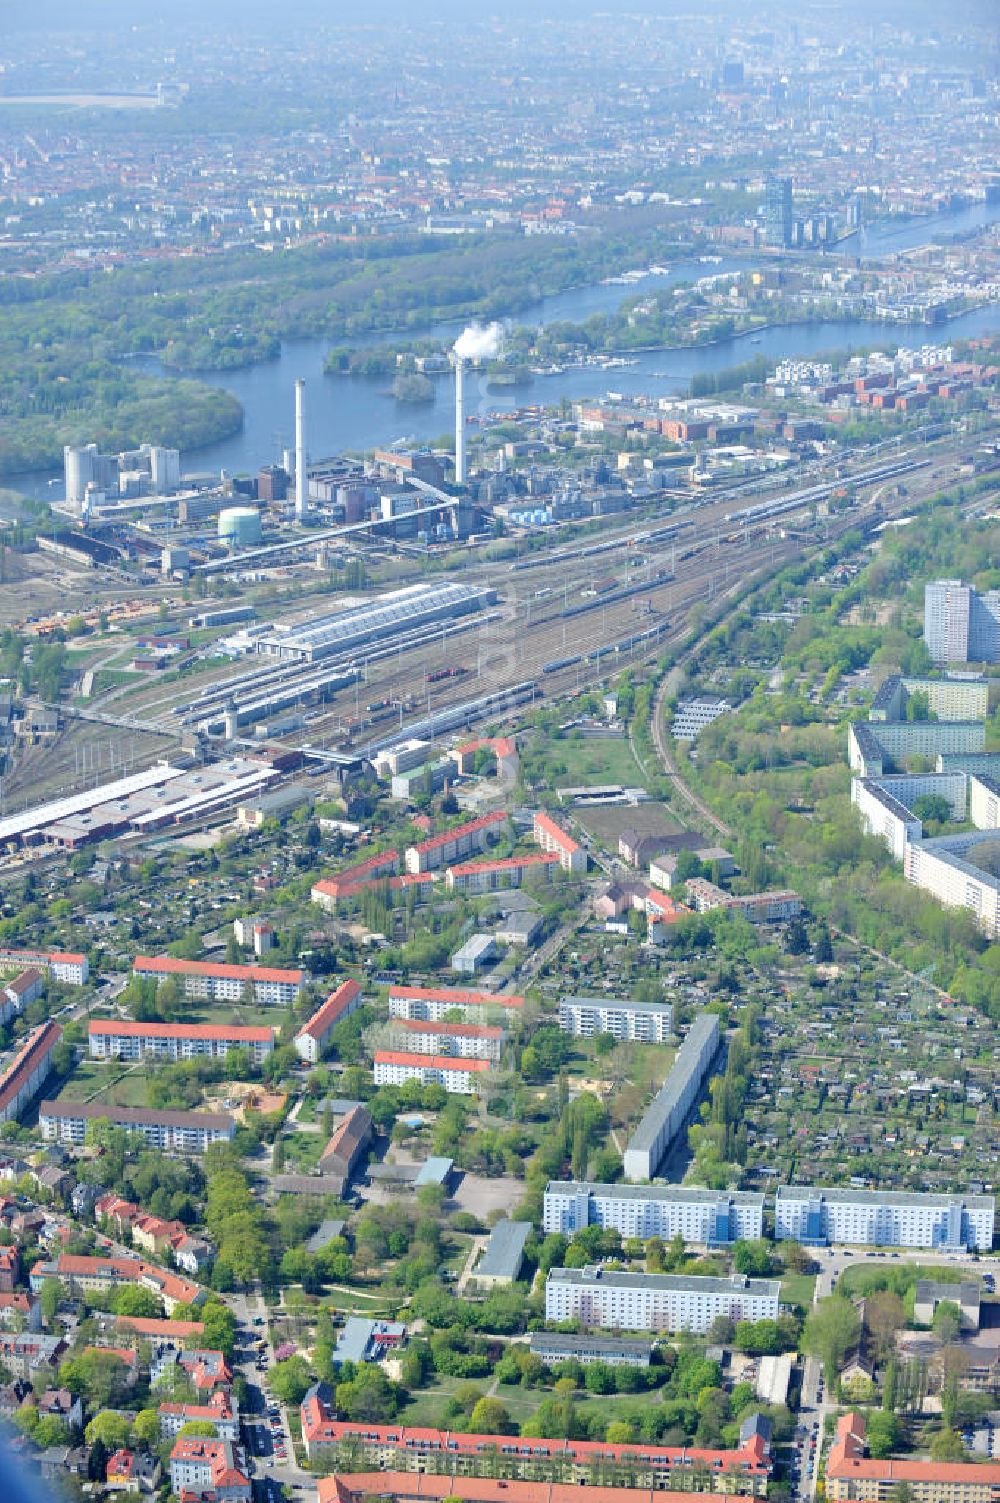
{"x":597,"y":759}
{"x":607,"y":824}
{"x":234,"y":1012}
{"x":116,"y":1084}
{"x":797,"y":1289}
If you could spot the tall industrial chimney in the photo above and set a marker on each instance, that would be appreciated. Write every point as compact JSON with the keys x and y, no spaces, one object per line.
{"x":301,"y":479}
{"x":459,"y":421}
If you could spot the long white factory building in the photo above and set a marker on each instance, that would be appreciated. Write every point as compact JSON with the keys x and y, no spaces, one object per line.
{"x":347,"y":630}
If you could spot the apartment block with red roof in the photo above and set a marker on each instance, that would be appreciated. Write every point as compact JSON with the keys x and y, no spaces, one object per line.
{"x":435,"y":1004}
{"x":418,"y":1487}
{"x":221,"y":1411}
{"x":852,"y":1475}
{"x":208,"y":1469}
{"x":452,"y":845}
{"x":464,"y":1040}
{"x":312,"y":1038}
{"x":10,"y":1268}
{"x":110,"y":1038}
{"x":458,"y":1076}
{"x":348,"y":1142}
{"x":492,"y":876}
{"x":66,"y":966}
{"x":28,"y":1070}
{"x":554,"y":839}
{"x":83,"y":1273}
{"x":21,"y":989}
{"x":224,"y":983}
{"x":329,"y":890}
{"x":503,"y":749}
{"x":406,"y":1448}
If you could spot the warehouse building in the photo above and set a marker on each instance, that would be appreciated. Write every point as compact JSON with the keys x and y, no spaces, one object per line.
{"x":396,"y":613}
{"x":179,"y":1132}
{"x":655,"y":1301}
{"x":503,"y":1259}
{"x":641,"y":1022}
{"x":224,"y":983}
{"x":110,"y":1038}
{"x":883,"y":1218}
{"x":712,"y":1218}
{"x":668,"y":1110}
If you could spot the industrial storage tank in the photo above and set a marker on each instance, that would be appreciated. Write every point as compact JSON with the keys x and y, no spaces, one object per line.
{"x":239,"y":526}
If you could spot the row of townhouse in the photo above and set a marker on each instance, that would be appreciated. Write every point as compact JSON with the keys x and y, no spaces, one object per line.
{"x":80,"y":1273}
{"x":710,"y":1218}
{"x":216,"y":982}
{"x":28,"y":1070}
{"x":180,"y":1132}
{"x":66,"y":966}
{"x":153,"y":1234}
{"x":313,"y":1037}
{"x":742,"y":1470}
{"x":110,"y":1038}
{"x":459,"y":1077}
{"x":628,"y":1301}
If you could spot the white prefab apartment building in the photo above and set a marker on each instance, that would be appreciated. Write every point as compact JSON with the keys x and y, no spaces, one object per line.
{"x":655,"y":1301}
{"x":438,"y":1004}
{"x":110,"y":1038}
{"x":642,"y":1022}
{"x":667,"y":1112}
{"x":883,"y":1218}
{"x":219,"y":982}
{"x":182,"y":1132}
{"x":458,"y":1076}
{"x":709,"y":1217}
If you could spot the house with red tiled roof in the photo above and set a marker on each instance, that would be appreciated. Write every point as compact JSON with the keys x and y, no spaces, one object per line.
{"x":312,"y":1038}
{"x":559,"y":842}
{"x":852,"y":1475}
{"x":210,"y":1470}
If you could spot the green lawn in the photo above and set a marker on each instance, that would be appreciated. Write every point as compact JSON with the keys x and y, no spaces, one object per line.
{"x":607,"y":759}
{"x":116,"y":1084}
{"x":797,"y":1289}
{"x":233,"y":1012}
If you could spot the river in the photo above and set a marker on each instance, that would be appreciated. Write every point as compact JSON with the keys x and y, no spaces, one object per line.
{"x":357,"y":412}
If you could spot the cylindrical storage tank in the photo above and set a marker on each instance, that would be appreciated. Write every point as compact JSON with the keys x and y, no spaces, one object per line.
{"x":239,"y":526}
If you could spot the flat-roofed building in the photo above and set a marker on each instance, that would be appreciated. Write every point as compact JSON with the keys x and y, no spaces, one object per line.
{"x":641,"y":1022}
{"x":181,"y":1132}
{"x":655,"y":1301}
{"x":458,"y":1076}
{"x":503,"y":1258}
{"x":554,"y":1347}
{"x":883,"y":1218}
{"x":218,"y":982}
{"x":711,"y":1218}
{"x":314,"y":1036}
{"x":966,"y":1296}
{"x":111,"y":1038}
{"x":667,"y":1113}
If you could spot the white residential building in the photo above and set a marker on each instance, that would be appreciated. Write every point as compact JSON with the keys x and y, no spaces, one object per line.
{"x":643,"y":1022}
{"x":883,"y":1218}
{"x":655,"y":1301}
{"x":708,"y":1217}
{"x":667,"y":1112}
{"x":110,"y":1038}
{"x":458,"y":1076}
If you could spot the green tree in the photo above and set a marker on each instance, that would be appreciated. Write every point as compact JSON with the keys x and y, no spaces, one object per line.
{"x":110,"y":1428}
{"x":946,"y":1445}
{"x":832,"y":1328}
{"x":491,"y":1417}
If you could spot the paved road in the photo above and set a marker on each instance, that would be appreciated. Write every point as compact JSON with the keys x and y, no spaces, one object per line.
{"x":248,"y":1307}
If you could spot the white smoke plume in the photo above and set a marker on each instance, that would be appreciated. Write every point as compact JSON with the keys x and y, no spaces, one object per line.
{"x":479,"y":342}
